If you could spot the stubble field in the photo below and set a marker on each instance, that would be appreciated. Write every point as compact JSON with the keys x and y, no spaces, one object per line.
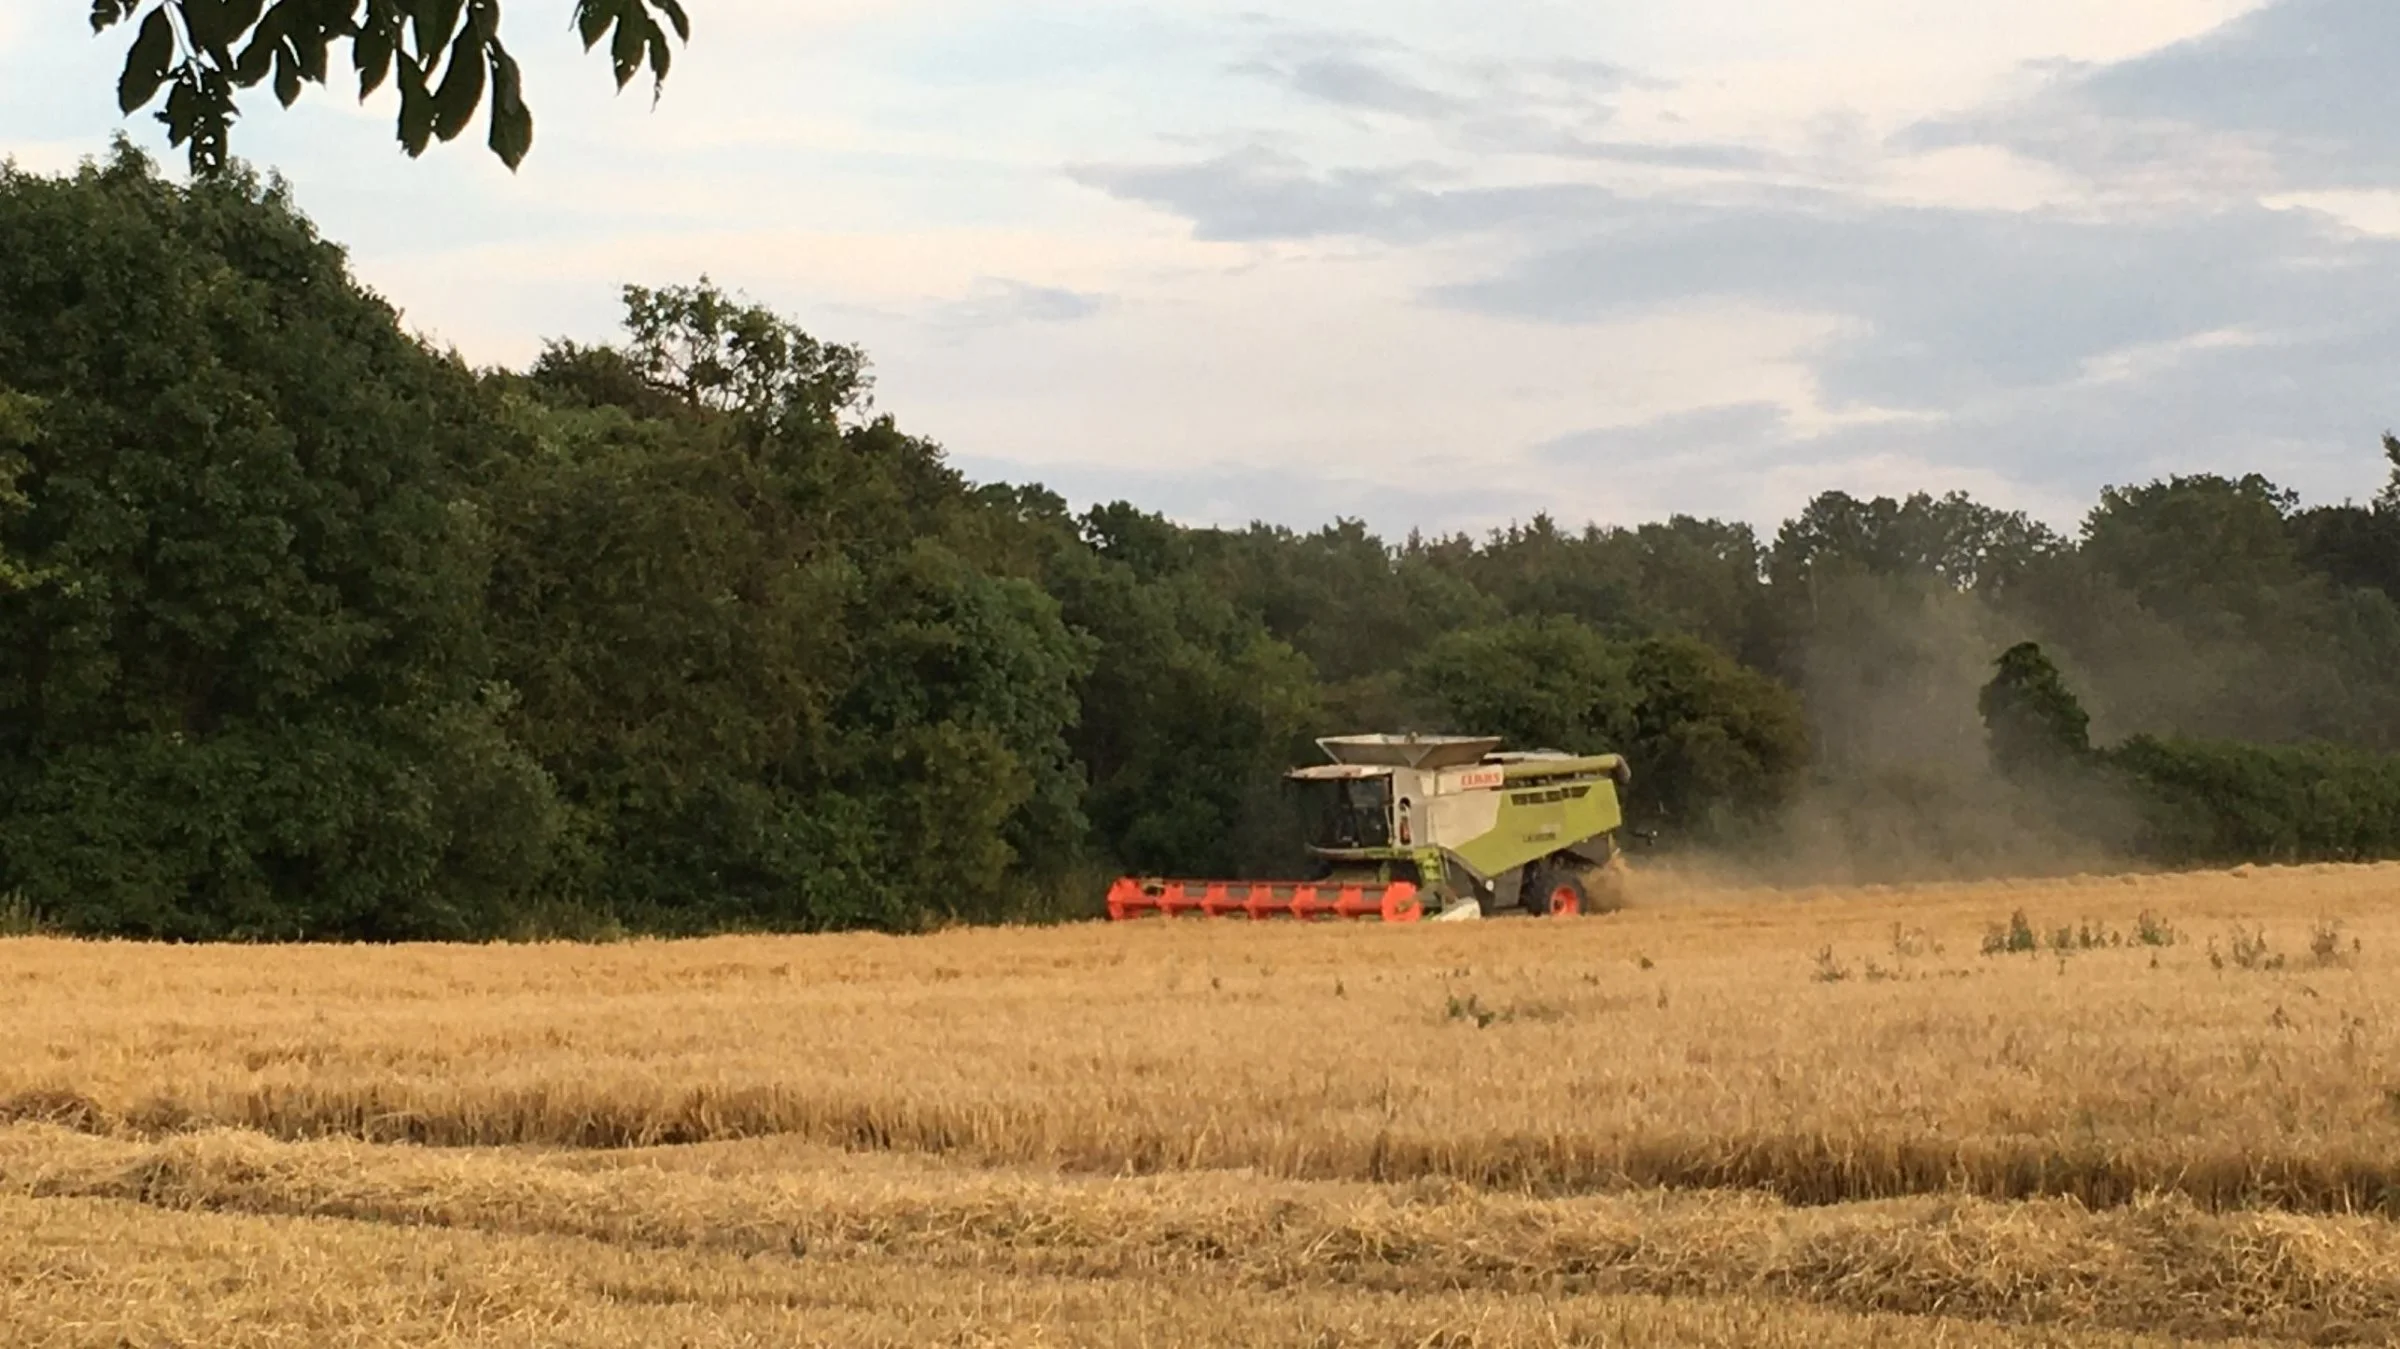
{"x":1726,"y":1117}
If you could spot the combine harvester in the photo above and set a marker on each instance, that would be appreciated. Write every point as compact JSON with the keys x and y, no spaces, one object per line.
{"x":1405,"y":823}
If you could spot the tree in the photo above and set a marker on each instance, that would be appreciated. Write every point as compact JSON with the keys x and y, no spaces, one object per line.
{"x":2198,"y":546}
{"x":1968,"y":545}
{"x":246,"y":689}
{"x":17,"y":413}
{"x":756,"y":653}
{"x":444,"y":56}
{"x":720,"y":352}
{"x":1539,"y":568}
{"x":1701,"y":578}
{"x":2035,"y":723}
{"x":1715,"y":746}
{"x":1537,"y":682}
{"x":1340,"y":595}
{"x":2210,"y":605}
{"x":1191,"y":712}
{"x":2357,"y":545}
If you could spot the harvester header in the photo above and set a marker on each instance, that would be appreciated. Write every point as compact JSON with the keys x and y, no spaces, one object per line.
{"x":1401,"y":823}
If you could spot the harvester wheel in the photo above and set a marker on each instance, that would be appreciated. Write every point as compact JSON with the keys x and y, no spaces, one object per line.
{"x":1556,"y":893}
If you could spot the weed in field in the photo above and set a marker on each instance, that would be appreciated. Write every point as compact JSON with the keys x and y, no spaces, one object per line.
{"x":1909,"y":942}
{"x":2250,"y":951}
{"x":2151,"y":930}
{"x":2015,"y":936}
{"x":1469,"y":1008}
{"x":2325,"y":941}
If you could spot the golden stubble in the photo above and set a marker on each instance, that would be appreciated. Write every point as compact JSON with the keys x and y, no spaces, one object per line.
{"x":2181,"y":1111}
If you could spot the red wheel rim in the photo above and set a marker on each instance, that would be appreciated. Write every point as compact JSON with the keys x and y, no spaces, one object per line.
{"x":1564,"y":902}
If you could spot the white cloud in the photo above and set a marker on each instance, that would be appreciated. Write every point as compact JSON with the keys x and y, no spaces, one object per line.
{"x":2145,"y":360}
{"x":2369,"y":212}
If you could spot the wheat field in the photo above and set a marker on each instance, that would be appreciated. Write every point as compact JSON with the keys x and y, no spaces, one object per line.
{"x":2095,"y":1111}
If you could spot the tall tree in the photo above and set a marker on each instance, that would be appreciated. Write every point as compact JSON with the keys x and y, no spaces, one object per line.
{"x":1546,"y":682}
{"x":2198,"y":546}
{"x":2357,"y":545}
{"x":773,"y":685}
{"x":1716,"y":747}
{"x":246,"y":690}
{"x":2035,"y":723}
{"x":1966,"y":544}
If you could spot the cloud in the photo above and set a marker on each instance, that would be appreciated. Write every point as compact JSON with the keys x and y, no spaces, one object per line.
{"x":1694,"y":155}
{"x":1947,"y":303}
{"x":1953,"y":304}
{"x":1256,"y":193}
{"x":1723,"y":427}
{"x":2299,"y":95}
{"x":1546,"y":106}
{"x":2311,"y":72}
{"x":1356,"y":83}
{"x":1001,"y":303}
{"x":2081,"y":340}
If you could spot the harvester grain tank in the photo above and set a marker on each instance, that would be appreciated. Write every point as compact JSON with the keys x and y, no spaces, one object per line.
{"x":1403,"y":824}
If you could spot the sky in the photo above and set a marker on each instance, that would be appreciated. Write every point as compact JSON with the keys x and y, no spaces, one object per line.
{"x":1442,"y":266}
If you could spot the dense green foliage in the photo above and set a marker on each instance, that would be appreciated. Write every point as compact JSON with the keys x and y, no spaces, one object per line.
{"x":444,"y":56}
{"x":247,"y":687}
{"x":2195,"y":800}
{"x":2224,"y":801}
{"x":314,"y":631}
{"x":2035,"y":721}
{"x":1714,"y":743}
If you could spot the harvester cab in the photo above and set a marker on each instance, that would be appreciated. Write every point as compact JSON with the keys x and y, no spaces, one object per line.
{"x":1402,"y":823}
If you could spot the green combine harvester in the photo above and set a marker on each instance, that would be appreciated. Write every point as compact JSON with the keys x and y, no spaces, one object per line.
{"x":1403,"y":824}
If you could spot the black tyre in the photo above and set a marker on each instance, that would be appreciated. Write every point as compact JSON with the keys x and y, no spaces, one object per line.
{"x":1556,"y":892}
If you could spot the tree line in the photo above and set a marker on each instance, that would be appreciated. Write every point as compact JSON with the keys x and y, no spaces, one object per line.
{"x":315,"y":631}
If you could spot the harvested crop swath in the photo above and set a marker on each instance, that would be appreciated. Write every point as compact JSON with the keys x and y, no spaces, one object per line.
{"x":2157,"y":1265}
